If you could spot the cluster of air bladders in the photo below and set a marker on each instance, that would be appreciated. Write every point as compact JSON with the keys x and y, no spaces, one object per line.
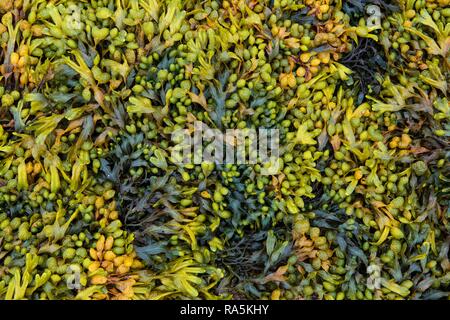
{"x":94,"y":205}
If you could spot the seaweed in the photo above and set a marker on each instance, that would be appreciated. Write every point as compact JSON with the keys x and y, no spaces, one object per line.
{"x":366,"y":60}
{"x":356,"y":8}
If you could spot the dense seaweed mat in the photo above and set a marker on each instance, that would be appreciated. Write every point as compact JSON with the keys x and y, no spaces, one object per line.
{"x":94,"y":206}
